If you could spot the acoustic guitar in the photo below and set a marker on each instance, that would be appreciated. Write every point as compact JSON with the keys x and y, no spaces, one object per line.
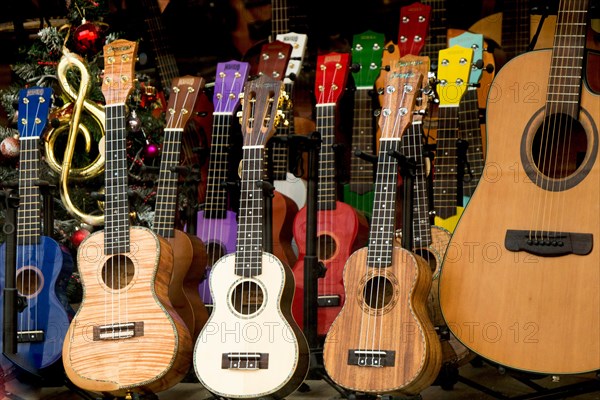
{"x":126,"y":337}
{"x":189,"y":257}
{"x":42,"y":266}
{"x":341,"y":229}
{"x":367,"y":51}
{"x":525,"y":254}
{"x":454,"y":68}
{"x":216,"y":221}
{"x":251,"y":346}
{"x":383,"y":341}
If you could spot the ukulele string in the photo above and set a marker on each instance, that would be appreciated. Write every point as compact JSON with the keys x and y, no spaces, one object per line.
{"x":36,"y":233}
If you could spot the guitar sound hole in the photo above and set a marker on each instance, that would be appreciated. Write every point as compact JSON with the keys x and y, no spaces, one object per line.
{"x":214,"y":252}
{"x":326,"y":247}
{"x":247,"y":297}
{"x":29,"y":281}
{"x":559,"y":146}
{"x":118,"y":272}
{"x":378,"y":292}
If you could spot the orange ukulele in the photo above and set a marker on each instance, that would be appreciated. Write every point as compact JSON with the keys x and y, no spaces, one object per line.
{"x":126,"y":337}
{"x":189,"y":257}
{"x":340,"y":228}
{"x":525,"y":254}
{"x":383,"y":341}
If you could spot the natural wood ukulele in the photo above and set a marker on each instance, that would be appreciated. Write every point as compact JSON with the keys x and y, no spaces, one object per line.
{"x":126,"y":337}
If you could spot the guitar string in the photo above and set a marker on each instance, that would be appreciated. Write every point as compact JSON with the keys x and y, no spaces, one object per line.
{"x":36,"y":193}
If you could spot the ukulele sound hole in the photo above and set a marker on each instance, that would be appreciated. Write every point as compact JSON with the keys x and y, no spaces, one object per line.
{"x":378,"y":292}
{"x":559,"y":146}
{"x":326,"y":247}
{"x":247,"y":298}
{"x":118,"y":272}
{"x":214,"y":252}
{"x":29,"y":281}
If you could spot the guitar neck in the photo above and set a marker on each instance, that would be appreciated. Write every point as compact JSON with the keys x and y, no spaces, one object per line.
{"x":116,"y":220}
{"x":470,"y":131}
{"x":326,"y":123}
{"x":437,"y":38}
{"x":515,"y":27}
{"x":361,"y":170}
{"x":279,"y":152}
{"x":412,"y":147}
{"x":383,"y":221}
{"x":566,"y":67}
{"x":445,"y":181}
{"x":248,"y":261}
{"x":28,"y":214}
{"x":216,"y":193}
{"x":165,"y":60}
{"x":279,"y":17}
{"x":166,"y":195}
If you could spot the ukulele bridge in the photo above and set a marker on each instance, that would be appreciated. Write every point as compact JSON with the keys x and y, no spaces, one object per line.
{"x":329,"y":300}
{"x":30,"y":336}
{"x":118,"y":331}
{"x":371,"y":358}
{"x":251,"y":361}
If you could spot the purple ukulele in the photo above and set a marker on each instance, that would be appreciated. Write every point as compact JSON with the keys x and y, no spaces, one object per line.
{"x":217,"y":226}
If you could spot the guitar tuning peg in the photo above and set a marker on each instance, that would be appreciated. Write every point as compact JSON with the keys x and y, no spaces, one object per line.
{"x":386,"y":68}
{"x":391,"y":48}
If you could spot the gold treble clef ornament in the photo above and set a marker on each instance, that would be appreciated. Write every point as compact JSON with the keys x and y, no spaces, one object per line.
{"x":71,"y":60}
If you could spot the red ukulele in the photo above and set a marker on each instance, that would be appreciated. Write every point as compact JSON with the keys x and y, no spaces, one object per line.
{"x":340,"y":228}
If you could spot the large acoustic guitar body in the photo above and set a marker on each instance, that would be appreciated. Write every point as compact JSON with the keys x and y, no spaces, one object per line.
{"x":339,"y":232}
{"x":525,"y":254}
{"x":126,"y":336}
{"x":385,"y":312}
{"x":250,"y":346}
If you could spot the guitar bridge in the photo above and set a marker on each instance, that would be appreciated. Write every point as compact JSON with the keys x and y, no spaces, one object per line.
{"x":549,"y":244}
{"x":328,"y":301}
{"x":250,"y":361}
{"x":118,"y":331}
{"x":30,"y":336}
{"x":371,"y":358}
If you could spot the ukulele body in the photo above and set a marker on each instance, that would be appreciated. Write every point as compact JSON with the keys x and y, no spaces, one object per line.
{"x":150,"y":357}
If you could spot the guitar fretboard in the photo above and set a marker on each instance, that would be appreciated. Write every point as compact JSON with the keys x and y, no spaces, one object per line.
{"x":564,"y":84}
{"x":216,"y":193}
{"x":437,"y":38}
{"x":28,"y":214}
{"x":166,"y":195}
{"x":116,"y":228}
{"x":248,"y":258}
{"x":470,"y":131}
{"x":279,"y":152}
{"x":383,"y":221}
{"x":445,"y":178}
{"x":515,"y":27}
{"x":361,"y":171}
{"x":326,"y":123}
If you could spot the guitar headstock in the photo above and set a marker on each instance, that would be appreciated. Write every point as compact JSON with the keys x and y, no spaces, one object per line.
{"x":414,"y":24}
{"x":420,"y":65}
{"x":298,"y":43}
{"x":400,"y":94}
{"x":119,"y":61}
{"x":331,"y":77}
{"x":34,"y":106}
{"x":475,"y":42}
{"x":230,"y":79}
{"x":184,"y":92}
{"x":274,"y":59}
{"x":367,"y":53}
{"x":454,"y":68}
{"x":261,"y":109}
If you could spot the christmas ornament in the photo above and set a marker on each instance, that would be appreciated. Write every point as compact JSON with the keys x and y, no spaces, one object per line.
{"x":10,"y":147}
{"x":151,"y":150}
{"x":134,"y":122}
{"x":78,"y":236}
{"x":87,"y":38}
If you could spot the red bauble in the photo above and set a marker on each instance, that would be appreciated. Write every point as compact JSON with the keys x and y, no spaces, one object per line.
{"x":78,"y":236}
{"x":151,"y":150}
{"x":10,"y":147}
{"x":87,"y":38}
